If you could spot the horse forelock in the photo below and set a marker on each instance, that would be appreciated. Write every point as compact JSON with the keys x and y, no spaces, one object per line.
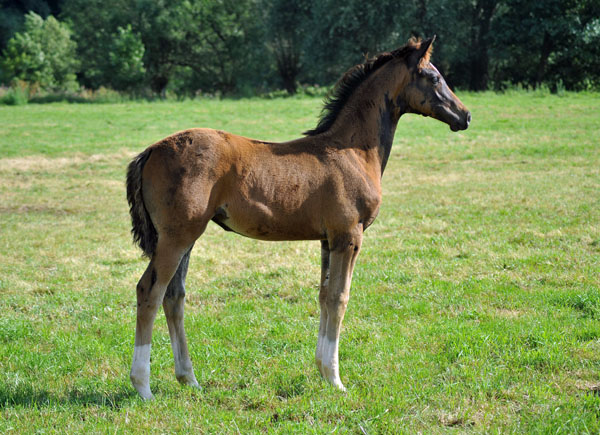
{"x":351,"y":80}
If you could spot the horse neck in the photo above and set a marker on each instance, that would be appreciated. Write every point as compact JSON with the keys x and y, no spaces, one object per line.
{"x":368,"y":121}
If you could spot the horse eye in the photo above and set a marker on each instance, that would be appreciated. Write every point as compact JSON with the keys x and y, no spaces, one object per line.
{"x":435,"y":80}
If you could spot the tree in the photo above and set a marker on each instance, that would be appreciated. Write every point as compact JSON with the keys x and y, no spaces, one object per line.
{"x":482,"y":12}
{"x":126,"y":66}
{"x":96,"y":25}
{"x":210,"y":45}
{"x":464,"y":38}
{"x":11,"y":21}
{"x":42,"y":54}
{"x":12,"y":15}
{"x":451,"y":24}
{"x":342,"y":32}
{"x":546,"y":42}
{"x":286,"y":21}
{"x":578,"y":65}
{"x":240,"y":46}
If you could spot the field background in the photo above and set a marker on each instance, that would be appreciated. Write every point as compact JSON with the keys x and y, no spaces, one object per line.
{"x":475,"y":304}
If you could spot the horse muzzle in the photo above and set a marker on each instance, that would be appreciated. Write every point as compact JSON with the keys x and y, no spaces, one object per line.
{"x":462,"y":123}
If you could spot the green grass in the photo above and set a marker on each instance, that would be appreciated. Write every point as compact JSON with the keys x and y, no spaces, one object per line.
{"x":475,"y":304}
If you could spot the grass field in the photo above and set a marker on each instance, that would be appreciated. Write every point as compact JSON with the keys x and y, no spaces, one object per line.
{"x":475,"y":305}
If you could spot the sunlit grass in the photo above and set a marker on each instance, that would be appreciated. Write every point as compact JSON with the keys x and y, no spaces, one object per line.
{"x":474,"y":306}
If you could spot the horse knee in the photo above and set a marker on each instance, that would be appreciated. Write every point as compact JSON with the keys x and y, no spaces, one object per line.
{"x":174,"y":300}
{"x":174,"y":308}
{"x":339,"y":301}
{"x":175,"y":290}
{"x":323,"y":294}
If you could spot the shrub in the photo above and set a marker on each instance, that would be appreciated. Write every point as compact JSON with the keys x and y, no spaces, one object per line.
{"x":126,"y":60}
{"x":14,"y":96}
{"x":43,"y":54}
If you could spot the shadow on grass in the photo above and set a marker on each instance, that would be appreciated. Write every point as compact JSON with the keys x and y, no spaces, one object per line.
{"x":28,"y":397}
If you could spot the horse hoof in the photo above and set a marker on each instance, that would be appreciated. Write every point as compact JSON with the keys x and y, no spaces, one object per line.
{"x":189,"y":380}
{"x":144,"y":392}
{"x":340,"y":387}
{"x":333,"y":378}
{"x":147,"y":398}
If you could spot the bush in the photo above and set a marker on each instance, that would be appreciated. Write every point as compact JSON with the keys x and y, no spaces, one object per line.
{"x":43,"y":54}
{"x":125,"y":58}
{"x":13,"y":96}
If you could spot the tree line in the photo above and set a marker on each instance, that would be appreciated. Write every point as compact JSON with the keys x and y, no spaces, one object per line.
{"x":245,"y":47}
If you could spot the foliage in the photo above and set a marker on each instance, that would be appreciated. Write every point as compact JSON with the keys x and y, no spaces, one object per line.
{"x":11,"y":21}
{"x":248,"y":47}
{"x":97,"y":24}
{"x":126,"y":59}
{"x":554,"y":40}
{"x":12,"y":15}
{"x":191,"y":45}
{"x":336,"y":41}
{"x":286,"y":24}
{"x":43,"y":54}
{"x":16,"y":95}
{"x":221,"y":45}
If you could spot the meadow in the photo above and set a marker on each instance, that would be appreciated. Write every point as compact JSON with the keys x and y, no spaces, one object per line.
{"x":475,"y":303}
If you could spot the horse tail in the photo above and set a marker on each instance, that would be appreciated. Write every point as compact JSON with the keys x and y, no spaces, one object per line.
{"x":143,"y":231}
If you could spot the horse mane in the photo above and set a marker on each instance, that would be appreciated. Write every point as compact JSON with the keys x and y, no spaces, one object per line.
{"x":352,"y":79}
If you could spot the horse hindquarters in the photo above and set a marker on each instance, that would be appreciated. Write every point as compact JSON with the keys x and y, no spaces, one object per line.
{"x":155,"y":195}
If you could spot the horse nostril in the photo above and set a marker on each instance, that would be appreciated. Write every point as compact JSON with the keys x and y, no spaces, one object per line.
{"x":468,"y":118}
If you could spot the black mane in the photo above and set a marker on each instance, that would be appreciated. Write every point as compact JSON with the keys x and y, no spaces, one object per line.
{"x":352,"y":79}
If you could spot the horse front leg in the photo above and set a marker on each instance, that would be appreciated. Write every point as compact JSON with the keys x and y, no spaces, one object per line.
{"x":322,"y":302}
{"x":150,"y":293}
{"x":173,"y":304}
{"x":344,"y":252}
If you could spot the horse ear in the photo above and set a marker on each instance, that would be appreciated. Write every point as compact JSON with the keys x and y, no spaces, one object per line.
{"x":422,"y":52}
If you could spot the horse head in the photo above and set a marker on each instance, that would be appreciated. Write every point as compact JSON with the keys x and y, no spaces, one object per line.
{"x":428,"y":94}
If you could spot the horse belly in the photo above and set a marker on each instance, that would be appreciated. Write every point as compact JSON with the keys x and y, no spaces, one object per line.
{"x":259,"y":221}
{"x":271,"y":197}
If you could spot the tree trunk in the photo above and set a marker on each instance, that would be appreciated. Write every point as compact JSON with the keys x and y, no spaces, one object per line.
{"x":421,"y":19}
{"x":543,"y":63}
{"x":479,"y":68}
{"x":287,"y":64}
{"x":159,"y":83}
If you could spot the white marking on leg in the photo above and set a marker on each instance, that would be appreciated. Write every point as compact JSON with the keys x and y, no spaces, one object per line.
{"x":330,"y":362}
{"x":140,"y":371}
{"x":321,"y":335}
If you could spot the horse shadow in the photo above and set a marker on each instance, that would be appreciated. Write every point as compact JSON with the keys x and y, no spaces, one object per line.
{"x":28,"y":397}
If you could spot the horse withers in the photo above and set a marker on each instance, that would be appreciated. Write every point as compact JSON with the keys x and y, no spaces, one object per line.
{"x":324,"y":186}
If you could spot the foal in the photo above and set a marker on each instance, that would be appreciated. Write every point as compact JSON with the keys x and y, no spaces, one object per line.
{"x":325,"y":186}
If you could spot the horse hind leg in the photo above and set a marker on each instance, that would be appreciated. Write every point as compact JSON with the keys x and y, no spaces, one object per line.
{"x":173,"y":304}
{"x":150,"y":293}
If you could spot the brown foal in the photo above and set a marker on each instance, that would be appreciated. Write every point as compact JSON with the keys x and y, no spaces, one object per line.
{"x":325,"y":186}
